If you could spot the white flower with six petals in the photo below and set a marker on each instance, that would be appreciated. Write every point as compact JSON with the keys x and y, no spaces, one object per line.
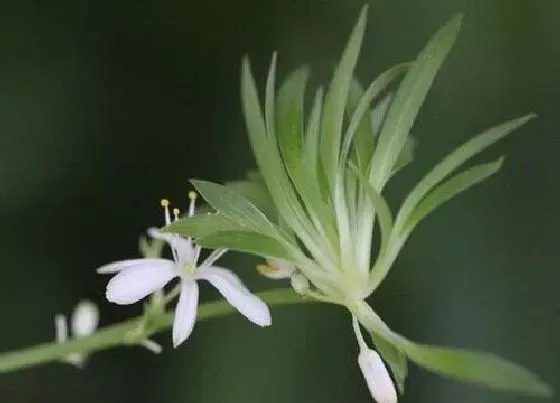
{"x":138,"y":278}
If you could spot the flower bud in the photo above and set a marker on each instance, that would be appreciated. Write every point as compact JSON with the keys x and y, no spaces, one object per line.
{"x":377,"y":377}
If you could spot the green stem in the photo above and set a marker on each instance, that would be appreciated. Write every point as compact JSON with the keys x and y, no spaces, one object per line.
{"x":116,"y":335}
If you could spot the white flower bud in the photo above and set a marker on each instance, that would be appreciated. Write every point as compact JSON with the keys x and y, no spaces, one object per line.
{"x":85,"y":319}
{"x":377,"y":377}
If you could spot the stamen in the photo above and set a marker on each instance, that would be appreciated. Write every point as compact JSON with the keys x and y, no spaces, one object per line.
{"x":192,"y":198}
{"x":165,"y":204}
{"x":176,"y":213}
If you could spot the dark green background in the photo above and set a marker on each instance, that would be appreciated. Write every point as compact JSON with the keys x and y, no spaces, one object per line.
{"x":105,"y":107}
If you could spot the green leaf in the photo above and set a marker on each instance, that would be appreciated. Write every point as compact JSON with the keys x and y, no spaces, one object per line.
{"x":336,"y":98}
{"x":451,"y":162}
{"x":248,"y":242}
{"x":364,"y":145}
{"x":406,"y":156}
{"x":482,"y":369}
{"x":235,"y":207}
{"x":310,"y":155}
{"x":289,"y":131}
{"x":270,"y":97}
{"x":289,"y":121}
{"x":201,"y":225}
{"x":457,"y":184}
{"x":269,"y":160}
{"x":257,"y":194}
{"x":380,"y":207}
{"x":396,"y":359}
{"x":408,"y":100}
{"x":378,"y":115}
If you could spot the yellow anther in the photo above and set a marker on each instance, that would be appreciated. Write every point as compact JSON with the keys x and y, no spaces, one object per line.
{"x":192,"y":195}
{"x":164,"y":202}
{"x":176,"y":213}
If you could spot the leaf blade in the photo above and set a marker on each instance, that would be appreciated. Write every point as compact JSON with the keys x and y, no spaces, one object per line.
{"x":453,"y":160}
{"x":449,"y":189}
{"x":201,"y":225}
{"x":247,"y":242}
{"x":336,"y":98}
{"x":235,"y":207}
{"x":408,"y":100}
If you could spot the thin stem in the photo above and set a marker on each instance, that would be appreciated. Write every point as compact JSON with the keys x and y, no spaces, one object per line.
{"x":116,"y":335}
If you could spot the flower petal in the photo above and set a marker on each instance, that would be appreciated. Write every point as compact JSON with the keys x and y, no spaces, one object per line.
{"x":116,"y":267}
{"x":377,"y":377}
{"x":183,"y":248}
{"x":185,"y":312}
{"x":85,"y":319}
{"x":136,"y":282}
{"x":235,"y":292}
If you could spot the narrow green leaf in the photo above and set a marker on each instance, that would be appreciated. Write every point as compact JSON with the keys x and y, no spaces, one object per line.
{"x":269,"y":160}
{"x":310,"y":155}
{"x":257,"y":194}
{"x":289,"y":120}
{"x":235,"y":207}
{"x":359,"y":115}
{"x":201,"y":225}
{"x":457,"y":184}
{"x":479,"y":368}
{"x":364,"y":138}
{"x":408,"y":100}
{"x":406,"y":156}
{"x":452,"y":161}
{"x":381,"y":208}
{"x":247,"y":242}
{"x":270,"y":97}
{"x":312,"y":184}
{"x":482,"y":369}
{"x":396,"y":359}
{"x":336,"y":98}
{"x":378,"y":116}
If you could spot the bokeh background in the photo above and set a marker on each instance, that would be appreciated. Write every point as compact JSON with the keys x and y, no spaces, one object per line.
{"x":107,"y":106}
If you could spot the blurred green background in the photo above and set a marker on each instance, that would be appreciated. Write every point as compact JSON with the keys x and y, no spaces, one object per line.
{"x":105,"y":107}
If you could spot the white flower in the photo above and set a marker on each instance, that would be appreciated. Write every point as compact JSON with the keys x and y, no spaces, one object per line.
{"x":137,"y":278}
{"x":375,"y":372}
{"x":84,"y":321}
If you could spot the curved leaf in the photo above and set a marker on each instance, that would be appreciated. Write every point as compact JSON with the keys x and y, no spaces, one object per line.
{"x":408,"y":100}
{"x":235,"y":207}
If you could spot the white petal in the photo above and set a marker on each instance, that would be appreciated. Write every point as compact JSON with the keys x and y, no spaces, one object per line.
{"x":120,"y":265}
{"x":136,"y":282}
{"x":183,"y":248}
{"x":60,"y":328}
{"x":377,"y":377}
{"x":235,"y":292}
{"x":185,"y":312}
{"x":85,"y":319}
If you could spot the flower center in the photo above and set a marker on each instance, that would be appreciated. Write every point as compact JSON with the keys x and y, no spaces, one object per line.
{"x":187,"y":270}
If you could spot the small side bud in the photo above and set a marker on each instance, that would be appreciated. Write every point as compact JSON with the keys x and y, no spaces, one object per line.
{"x":300,"y":284}
{"x":85,"y":319}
